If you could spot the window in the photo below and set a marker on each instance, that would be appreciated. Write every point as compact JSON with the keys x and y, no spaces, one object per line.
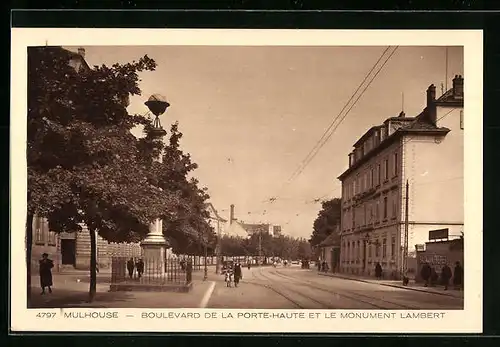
{"x":348,"y":250}
{"x":396,"y":164}
{"x":372,"y":177}
{"x":354,"y":187}
{"x":364,"y":214}
{"x":377,"y":249}
{"x":39,"y":239}
{"x":394,"y":205}
{"x":384,"y":248}
{"x":369,"y":250}
{"x":385,"y":207}
{"x":462,"y":119}
{"x":393,"y":247}
{"x":386,"y":169}
{"x":52,"y":239}
{"x":379,"y":174}
{"x":377,"y":212}
{"x":353,"y":217}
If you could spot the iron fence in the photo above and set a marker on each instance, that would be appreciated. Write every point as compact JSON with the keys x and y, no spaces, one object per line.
{"x":150,"y":271}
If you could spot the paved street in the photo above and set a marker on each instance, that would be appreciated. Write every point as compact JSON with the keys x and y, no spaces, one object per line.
{"x":260,"y":288}
{"x":292,"y":288}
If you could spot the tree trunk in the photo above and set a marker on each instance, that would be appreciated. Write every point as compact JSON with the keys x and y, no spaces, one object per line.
{"x":29,"y":244}
{"x":93,"y":265}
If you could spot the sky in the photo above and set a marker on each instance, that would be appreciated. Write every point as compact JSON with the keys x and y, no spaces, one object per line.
{"x":250,"y":115}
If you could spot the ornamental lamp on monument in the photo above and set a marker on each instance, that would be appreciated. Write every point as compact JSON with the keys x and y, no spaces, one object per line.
{"x":154,"y":245}
{"x":157,"y":104}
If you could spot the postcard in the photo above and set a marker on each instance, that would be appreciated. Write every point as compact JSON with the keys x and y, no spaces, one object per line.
{"x":322,"y":181}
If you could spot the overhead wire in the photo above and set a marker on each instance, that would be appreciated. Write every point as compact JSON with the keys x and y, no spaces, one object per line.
{"x":328,"y":133}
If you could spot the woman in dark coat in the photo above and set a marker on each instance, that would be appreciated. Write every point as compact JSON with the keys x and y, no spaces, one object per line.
{"x":378,"y":271}
{"x":425,"y":273}
{"x":458,"y":276}
{"x":445,"y":276}
{"x":130,"y":267}
{"x":237,"y":274}
{"x":46,"y":266}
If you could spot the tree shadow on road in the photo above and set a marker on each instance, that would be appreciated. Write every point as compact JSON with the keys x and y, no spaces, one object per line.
{"x":63,"y":298}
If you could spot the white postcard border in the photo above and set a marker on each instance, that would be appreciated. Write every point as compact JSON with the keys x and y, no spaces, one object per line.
{"x":468,"y":320}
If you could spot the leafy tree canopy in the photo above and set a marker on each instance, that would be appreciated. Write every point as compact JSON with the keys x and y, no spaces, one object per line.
{"x":326,"y":222}
{"x":84,"y":165}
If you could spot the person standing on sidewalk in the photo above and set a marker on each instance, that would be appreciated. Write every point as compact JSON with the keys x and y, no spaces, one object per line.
{"x":445,"y":276}
{"x":130,"y":267}
{"x":237,"y":274}
{"x":458,"y":276}
{"x":425,"y":273}
{"x":140,"y":268}
{"x":46,"y":266}
{"x":378,"y":271}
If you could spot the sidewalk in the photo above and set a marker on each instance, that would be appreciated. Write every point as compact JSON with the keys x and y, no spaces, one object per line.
{"x":71,"y":289}
{"x":398,"y":284}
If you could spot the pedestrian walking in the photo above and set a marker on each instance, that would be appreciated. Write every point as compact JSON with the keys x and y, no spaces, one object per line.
{"x":378,"y":271}
{"x":46,"y":266}
{"x":130,"y":267}
{"x":425,"y":273}
{"x":140,"y":268}
{"x":445,"y":276}
{"x":237,"y":274}
{"x":458,"y":276}
{"x":248,"y":265}
{"x":228,"y":276}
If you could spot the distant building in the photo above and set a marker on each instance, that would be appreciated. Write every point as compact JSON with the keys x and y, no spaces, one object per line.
{"x":240,"y":228}
{"x":215,"y":220}
{"x":276,"y":230}
{"x":330,"y":250}
{"x":428,"y":152}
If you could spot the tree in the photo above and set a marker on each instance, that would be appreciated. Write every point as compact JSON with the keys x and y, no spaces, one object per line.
{"x":304,"y":250}
{"x":187,"y":229}
{"x":326,"y":222}
{"x":84,"y":165}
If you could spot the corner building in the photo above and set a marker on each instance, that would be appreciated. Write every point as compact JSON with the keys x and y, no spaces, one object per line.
{"x":427,"y":151}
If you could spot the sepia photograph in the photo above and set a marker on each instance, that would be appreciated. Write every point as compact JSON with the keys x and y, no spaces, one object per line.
{"x":246,"y":177}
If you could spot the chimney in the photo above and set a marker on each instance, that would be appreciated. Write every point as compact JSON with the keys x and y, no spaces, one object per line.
{"x":81,"y":51}
{"x":231,"y":215}
{"x":431,"y":105}
{"x":431,"y":94}
{"x":458,"y":86}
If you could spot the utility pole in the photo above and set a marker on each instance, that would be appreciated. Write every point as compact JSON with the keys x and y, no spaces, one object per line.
{"x":405,"y":249}
{"x":218,"y":252}
{"x":260,"y":246}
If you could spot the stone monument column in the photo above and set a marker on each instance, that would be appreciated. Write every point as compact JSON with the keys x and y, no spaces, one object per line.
{"x":154,"y":246}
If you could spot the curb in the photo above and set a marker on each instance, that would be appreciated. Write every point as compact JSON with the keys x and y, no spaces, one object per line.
{"x":392,"y":285}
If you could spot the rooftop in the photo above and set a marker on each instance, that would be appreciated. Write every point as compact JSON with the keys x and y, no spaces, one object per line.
{"x":380,"y":136}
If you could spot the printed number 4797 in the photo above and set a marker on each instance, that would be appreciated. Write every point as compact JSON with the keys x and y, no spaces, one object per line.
{"x":45,"y":314}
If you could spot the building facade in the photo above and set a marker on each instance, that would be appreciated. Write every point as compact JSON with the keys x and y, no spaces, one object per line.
{"x":427,"y":152}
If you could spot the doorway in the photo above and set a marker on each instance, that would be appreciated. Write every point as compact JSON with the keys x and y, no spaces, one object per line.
{"x":68,"y":252}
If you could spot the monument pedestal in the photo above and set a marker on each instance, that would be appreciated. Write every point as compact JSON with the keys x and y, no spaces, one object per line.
{"x":153,"y":249}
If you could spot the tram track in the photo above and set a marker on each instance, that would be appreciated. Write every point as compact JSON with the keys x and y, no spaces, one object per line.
{"x":355,"y":297}
{"x":283,"y":294}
